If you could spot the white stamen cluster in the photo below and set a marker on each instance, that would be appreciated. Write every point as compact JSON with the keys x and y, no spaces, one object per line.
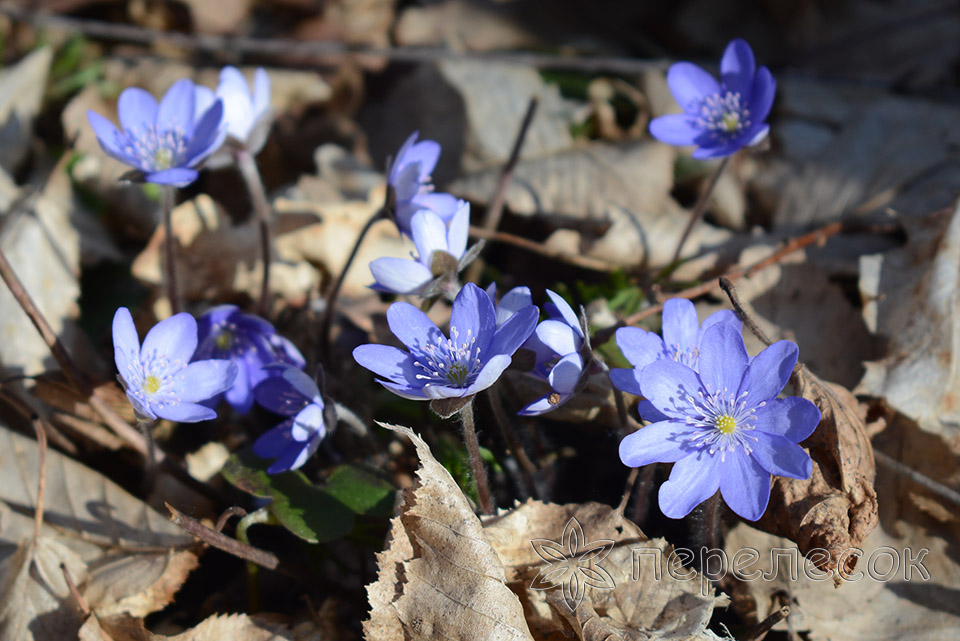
{"x":450,"y":362}
{"x":150,"y":378}
{"x":688,"y":357}
{"x":723,"y":114}
{"x":156,"y":150}
{"x":723,"y":421}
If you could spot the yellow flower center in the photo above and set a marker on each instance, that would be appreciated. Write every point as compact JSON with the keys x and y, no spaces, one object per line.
{"x":162,"y":158}
{"x":731,"y":121}
{"x":151,"y":384}
{"x":224,"y":340}
{"x":726,"y":424}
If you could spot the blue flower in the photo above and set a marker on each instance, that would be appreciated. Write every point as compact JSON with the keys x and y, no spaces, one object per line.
{"x":439,"y":250}
{"x":512,"y":302}
{"x":718,"y":117}
{"x":682,"y":336}
{"x":250,"y":342}
{"x":290,"y":392}
{"x":409,"y":176}
{"x":164,"y":141}
{"x":723,"y":427}
{"x":558,"y":344}
{"x":159,"y":378}
{"x":435,"y":366}
{"x":246,"y":114}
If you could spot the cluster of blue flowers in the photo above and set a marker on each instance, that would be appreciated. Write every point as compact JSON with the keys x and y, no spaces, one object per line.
{"x":711,"y":410}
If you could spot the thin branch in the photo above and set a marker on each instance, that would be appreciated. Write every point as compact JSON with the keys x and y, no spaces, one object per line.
{"x":759,"y":631}
{"x":751,"y":324}
{"x":74,"y":592}
{"x":701,"y":206}
{"x":527,"y":467}
{"x":25,"y":410}
{"x":939,"y":489}
{"x":584,"y":262}
{"x":38,"y":427}
{"x":221,"y":541}
{"x":261,"y":207}
{"x":476,"y":461}
{"x":230,"y":511}
{"x":628,"y":490}
{"x":491,"y":219}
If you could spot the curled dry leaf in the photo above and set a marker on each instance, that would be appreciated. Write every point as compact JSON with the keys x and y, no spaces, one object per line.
{"x":624,"y":589}
{"x":439,"y":577}
{"x":230,"y":627}
{"x":836,"y":508}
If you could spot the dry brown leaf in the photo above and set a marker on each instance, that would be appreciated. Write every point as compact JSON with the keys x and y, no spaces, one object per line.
{"x":914,"y":302}
{"x":836,"y":508}
{"x":230,"y":627}
{"x":643,"y":602}
{"x":440,"y":577}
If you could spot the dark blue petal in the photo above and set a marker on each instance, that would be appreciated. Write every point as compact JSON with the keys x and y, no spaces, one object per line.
{"x":178,"y":176}
{"x":389,"y":362}
{"x":185,"y":413}
{"x":764,"y":89}
{"x":626,"y":380}
{"x":515,"y":331}
{"x":473,"y":317}
{"x":737,"y":68}
{"x":690,"y":84}
{"x":675,"y":129}
{"x":207,"y":136}
{"x":176,"y":108}
{"x":273,"y":442}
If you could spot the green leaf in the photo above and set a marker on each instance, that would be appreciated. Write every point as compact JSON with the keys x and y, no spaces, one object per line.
{"x":308,"y":511}
{"x":361,"y":490}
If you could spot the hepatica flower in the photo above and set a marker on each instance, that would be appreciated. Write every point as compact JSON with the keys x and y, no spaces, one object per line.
{"x":435,"y":366}
{"x":558,"y":344}
{"x":289,"y":392}
{"x":246,"y":113}
{"x":440,"y":250}
{"x":718,"y":117}
{"x":512,"y":302}
{"x":409,"y":176}
{"x":167,"y":141}
{"x":723,"y":426}
{"x":159,"y":378}
{"x":250,"y":342}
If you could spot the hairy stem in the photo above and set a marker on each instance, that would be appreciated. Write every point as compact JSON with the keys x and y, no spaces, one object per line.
{"x":699,"y":208}
{"x":167,"y":196}
{"x":261,"y":207}
{"x":253,"y":570}
{"x":476,"y":462}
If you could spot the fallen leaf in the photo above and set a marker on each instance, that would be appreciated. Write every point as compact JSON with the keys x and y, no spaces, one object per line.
{"x":439,"y":577}
{"x":21,"y":93}
{"x":228,"y":627}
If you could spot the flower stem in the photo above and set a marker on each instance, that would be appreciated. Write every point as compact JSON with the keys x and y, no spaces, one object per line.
{"x":150,"y":473}
{"x":527,"y":467}
{"x":473,"y":451}
{"x":711,"y":522}
{"x":261,"y":207}
{"x":253,"y":570}
{"x":167,"y":196}
{"x":699,"y":208}
{"x":334,"y":292}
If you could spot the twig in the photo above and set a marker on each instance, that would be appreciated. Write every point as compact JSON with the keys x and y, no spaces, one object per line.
{"x":699,"y":208}
{"x":491,"y":219}
{"x":576,"y":260}
{"x":759,"y":631}
{"x":920,"y":479}
{"x":22,"y":408}
{"x":170,"y":248}
{"x":307,"y":51}
{"x":527,"y":467}
{"x":751,"y":324}
{"x":38,"y":427}
{"x":643,"y":493}
{"x":628,"y":490}
{"x":230,"y":511}
{"x":221,"y":541}
{"x":74,"y":592}
{"x":476,"y":462}
{"x":261,"y":206}
{"x":334,"y":292}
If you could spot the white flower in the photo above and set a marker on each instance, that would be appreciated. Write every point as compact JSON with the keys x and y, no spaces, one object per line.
{"x":247,"y":115}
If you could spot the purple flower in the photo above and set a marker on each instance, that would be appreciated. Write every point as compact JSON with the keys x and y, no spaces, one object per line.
{"x":409,"y":176}
{"x":438,"y":367}
{"x":719,"y":118}
{"x":558,"y":344}
{"x":164,"y":141}
{"x":246,"y":114}
{"x":512,"y":302}
{"x":682,"y":336}
{"x":159,"y":378}
{"x":439,"y":248}
{"x":290,"y":392}
{"x":723,"y":425}
{"x":250,"y":342}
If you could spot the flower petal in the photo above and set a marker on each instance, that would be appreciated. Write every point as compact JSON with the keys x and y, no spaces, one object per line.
{"x":680,"y":325}
{"x":186,"y":413}
{"x":780,"y":456}
{"x":459,"y":230}
{"x":278,"y":394}
{"x":137,"y":110}
{"x":745,"y":485}
{"x":737,"y":68}
{"x":543,"y":405}
{"x":176,"y":107}
{"x":690,"y":84}
{"x":274,"y":441}
{"x":442,"y":204}
{"x":405,"y":391}
{"x":693,"y":480}
{"x":261,"y":91}
{"x":399,"y":161}
{"x":639,"y":346}
{"x":709,"y":150}
{"x":208,"y":135}
{"x":308,"y":424}
{"x":174,"y":339}
{"x":139,"y":408}
{"x":559,"y":337}
{"x":203,"y":99}
{"x":514,"y":331}
{"x":429,"y":234}
{"x":513,"y":301}
{"x":126,"y":343}
{"x":177,"y":176}
{"x":662,"y":442}
{"x":566,"y":373}
{"x":667,"y":384}
{"x":569,"y":316}
{"x":109,"y":137}
{"x":489,"y":374}
{"x":412,"y":327}
{"x":626,"y":380}
{"x":204,"y":379}
{"x":755,"y":136}
{"x":473,"y":317}
{"x":768,"y":372}
{"x":723,"y":358}
{"x":389,"y":362}
{"x":425,"y":152}
{"x":722,"y":316}
{"x":399,"y":275}
{"x":793,"y":417}
{"x":675,"y":129}
{"x":240,"y":394}
{"x":764,"y":90}
{"x":647,"y":411}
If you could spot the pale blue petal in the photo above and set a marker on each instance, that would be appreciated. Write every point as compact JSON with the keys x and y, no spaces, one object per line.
{"x":137,"y":110}
{"x":781,"y":457}
{"x":399,"y":275}
{"x":412,"y":327}
{"x":176,"y":107}
{"x":690,"y":84}
{"x":176,"y":176}
{"x":389,"y":362}
{"x":459,"y":230}
{"x":514,"y":331}
{"x":668,"y":384}
{"x":569,"y":316}
{"x":405,"y":391}
{"x":768,"y":372}
{"x":566,"y":373}
{"x":429,"y":234}
{"x":543,"y":405}
{"x":639,"y":346}
{"x":109,"y":137}
{"x":261,"y":91}
{"x":308,"y":424}
{"x":722,"y":316}
{"x":663,"y":442}
{"x":173,"y":339}
{"x":626,"y":380}
{"x":693,"y":480}
{"x":203,"y":99}
{"x":473,"y":316}
{"x":723,"y":359}
{"x":675,"y":129}
{"x":126,"y":343}
{"x":186,"y":413}
{"x":513,"y":301}
{"x":559,"y":337}
{"x":399,"y":161}
{"x":240,"y":394}
{"x":681,"y":327}
{"x":489,"y":374}
{"x":745,"y":485}
{"x":203,"y":379}
{"x":140,"y":408}
{"x":793,"y":417}
{"x":442,"y":204}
